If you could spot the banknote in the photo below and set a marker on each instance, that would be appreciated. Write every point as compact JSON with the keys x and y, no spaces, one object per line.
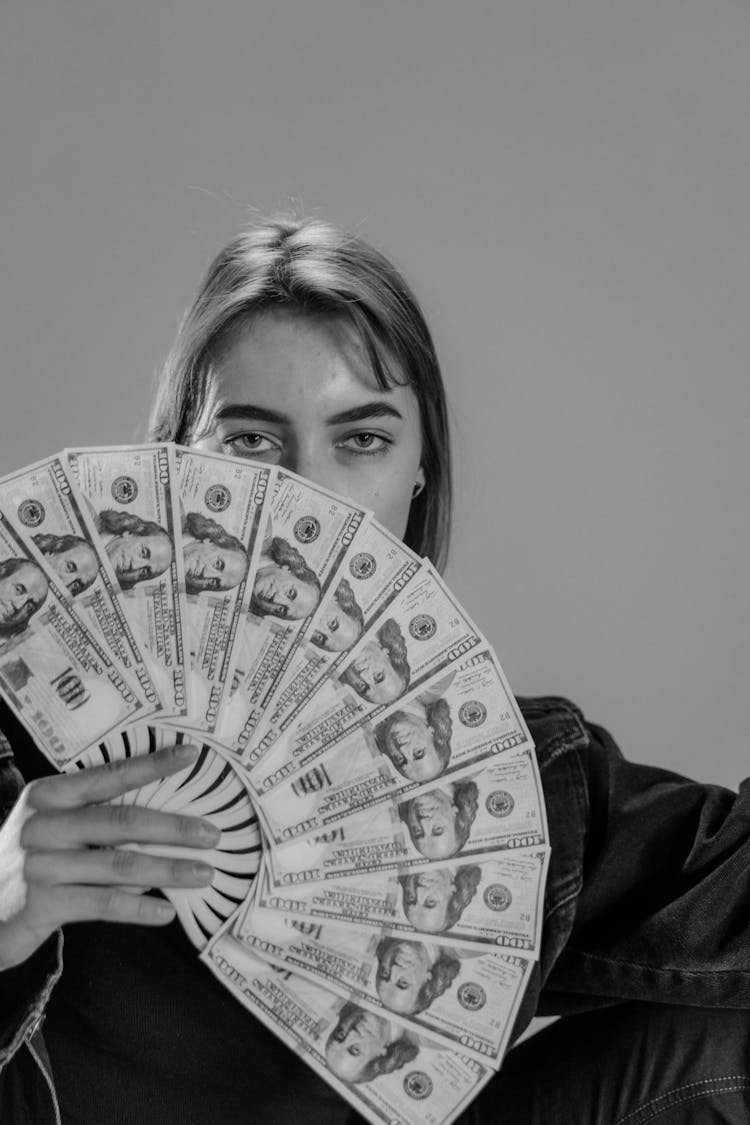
{"x":305,"y":535}
{"x":424,"y":631}
{"x":494,"y":902}
{"x":377,"y":568}
{"x":57,"y":679}
{"x":392,"y":1076}
{"x":466,"y":998}
{"x":221,"y":504}
{"x":498,"y":807}
{"x":132,"y":492}
{"x":42,"y":504}
{"x":456,"y":719}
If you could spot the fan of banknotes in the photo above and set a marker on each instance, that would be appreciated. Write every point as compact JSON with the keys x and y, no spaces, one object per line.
{"x":381,"y":869}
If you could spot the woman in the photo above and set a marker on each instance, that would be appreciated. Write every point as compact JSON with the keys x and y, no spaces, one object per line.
{"x":305,"y":348}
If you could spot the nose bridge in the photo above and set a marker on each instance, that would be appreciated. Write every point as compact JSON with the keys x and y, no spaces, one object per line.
{"x":310,"y":455}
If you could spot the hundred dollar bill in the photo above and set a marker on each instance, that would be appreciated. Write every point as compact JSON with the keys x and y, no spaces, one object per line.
{"x":56,"y":678}
{"x":221,"y":501}
{"x":494,"y":902}
{"x":305,"y":536}
{"x":377,"y":568}
{"x":468,"y":999}
{"x":132,"y":491}
{"x":390,"y":1075}
{"x":456,"y":719}
{"x":41,"y":503}
{"x":424,"y":631}
{"x":498,"y":807}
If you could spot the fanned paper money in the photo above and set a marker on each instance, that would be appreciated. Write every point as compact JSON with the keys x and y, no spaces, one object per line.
{"x":478,"y":813}
{"x":132,"y":491}
{"x":389,"y":1074}
{"x":306,"y":535}
{"x":494,"y":902}
{"x":53,"y":673}
{"x":424,"y":632}
{"x":456,"y":720}
{"x":381,"y":868}
{"x":42,"y":505}
{"x":461,"y":996}
{"x":221,"y":502}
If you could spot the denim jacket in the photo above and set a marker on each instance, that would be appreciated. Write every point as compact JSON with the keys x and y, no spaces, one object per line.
{"x":646,"y":897}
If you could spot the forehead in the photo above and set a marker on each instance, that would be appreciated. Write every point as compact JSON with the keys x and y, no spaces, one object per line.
{"x":281,"y":357}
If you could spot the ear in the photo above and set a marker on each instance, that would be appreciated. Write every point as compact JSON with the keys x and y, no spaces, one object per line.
{"x":419,"y":483}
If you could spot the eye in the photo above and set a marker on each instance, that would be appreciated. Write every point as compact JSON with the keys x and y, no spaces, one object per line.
{"x":291,"y":593}
{"x":402,"y":984}
{"x":251,"y":444}
{"x":145,"y":552}
{"x":364,"y":442}
{"x":70,"y":566}
{"x":379,"y":677}
{"x":430,"y":903}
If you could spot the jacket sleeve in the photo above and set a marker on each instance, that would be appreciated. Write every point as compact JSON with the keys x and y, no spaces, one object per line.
{"x":24,"y":989}
{"x":663,"y":910}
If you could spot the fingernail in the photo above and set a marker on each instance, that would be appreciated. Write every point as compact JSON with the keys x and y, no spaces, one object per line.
{"x":185,"y":752}
{"x":208,"y":831}
{"x":165,"y":910}
{"x":203,"y":872}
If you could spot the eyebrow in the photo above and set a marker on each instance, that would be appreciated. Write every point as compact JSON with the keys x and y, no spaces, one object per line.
{"x":356,"y":414}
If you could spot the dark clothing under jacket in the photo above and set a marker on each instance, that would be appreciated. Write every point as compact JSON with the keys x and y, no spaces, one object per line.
{"x":646,"y":899}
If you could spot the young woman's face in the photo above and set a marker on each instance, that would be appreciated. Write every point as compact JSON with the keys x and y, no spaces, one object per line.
{"x":298,"y":391}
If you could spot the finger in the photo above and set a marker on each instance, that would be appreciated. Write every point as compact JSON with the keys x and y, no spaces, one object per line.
{"x":117,"y":867}
{"x":104,"y":783}
{"x":110,"y":825}
{"x":108,"y":904}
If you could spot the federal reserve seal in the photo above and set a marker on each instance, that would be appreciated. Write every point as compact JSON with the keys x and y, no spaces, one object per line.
{"x":124,"y":490}
{"x":472,"y":996}
{"x":499,"y":803}
{"x":31,"y":513}
{"x":418,"y":1085}
{"x":217,"y":498}
{"x":306,"y":529}
{"x":497,"y":897}
{"x":472,"y":713}
{"x":422,"y":627}
{"x":363,"y":565}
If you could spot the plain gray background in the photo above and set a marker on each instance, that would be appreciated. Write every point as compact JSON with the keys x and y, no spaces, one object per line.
{"x":566,"y":185}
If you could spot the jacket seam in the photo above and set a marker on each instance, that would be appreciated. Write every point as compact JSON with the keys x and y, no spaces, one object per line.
{"x":33,"y":1018}
{"x":49,"y":1081}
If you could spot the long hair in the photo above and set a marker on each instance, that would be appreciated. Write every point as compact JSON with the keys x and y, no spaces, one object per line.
{"x":312,"y":266}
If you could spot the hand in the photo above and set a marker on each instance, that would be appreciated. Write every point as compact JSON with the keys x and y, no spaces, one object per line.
{"x":61,"y":858}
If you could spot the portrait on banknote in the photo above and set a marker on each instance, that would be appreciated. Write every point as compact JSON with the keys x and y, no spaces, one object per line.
{"x":72,"y":557}
{"x":214,"y":559}
{"x":342,"y":622}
